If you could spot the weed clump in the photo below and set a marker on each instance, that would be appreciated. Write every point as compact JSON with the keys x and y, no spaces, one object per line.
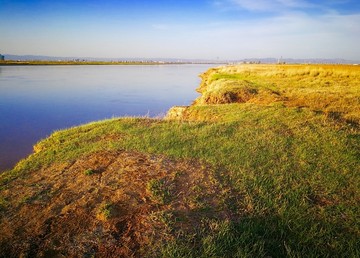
{"x":89,"y":172}
{"x":159,"y":190}
{"x":105,"y":211}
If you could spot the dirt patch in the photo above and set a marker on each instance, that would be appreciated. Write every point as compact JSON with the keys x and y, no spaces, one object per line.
{"x":108,"y":204}
{"x":227,"y":96}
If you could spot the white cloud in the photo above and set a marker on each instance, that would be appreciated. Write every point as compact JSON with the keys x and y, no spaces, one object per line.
{"x":261,"y":5}
{"x":272,"y":5}
{"x":293,"y":34}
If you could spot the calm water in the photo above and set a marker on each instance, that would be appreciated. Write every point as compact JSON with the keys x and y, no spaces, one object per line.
{"x":36,"y":100}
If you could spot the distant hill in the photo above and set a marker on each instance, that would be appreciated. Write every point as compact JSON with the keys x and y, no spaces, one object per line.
{"x":270,"y":60}
{"x":301,"y":61}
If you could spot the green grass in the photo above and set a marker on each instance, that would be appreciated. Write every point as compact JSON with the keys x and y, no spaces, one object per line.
{"x":160,"y":190}
{"x":89,"y":172}
{"x":295,"y":172}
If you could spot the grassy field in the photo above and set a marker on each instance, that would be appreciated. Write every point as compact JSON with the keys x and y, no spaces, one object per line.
{"x":265,"y":163}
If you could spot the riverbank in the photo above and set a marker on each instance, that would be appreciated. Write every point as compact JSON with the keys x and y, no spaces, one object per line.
{"x":264,"y":163}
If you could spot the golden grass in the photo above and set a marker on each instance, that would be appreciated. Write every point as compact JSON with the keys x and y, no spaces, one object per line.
{"x":332,"y":89}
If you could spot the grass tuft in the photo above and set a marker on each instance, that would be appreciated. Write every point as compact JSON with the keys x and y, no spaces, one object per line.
{"x":159,"y":190}
{"x":105,"y":211}
{"x":89,"y":172}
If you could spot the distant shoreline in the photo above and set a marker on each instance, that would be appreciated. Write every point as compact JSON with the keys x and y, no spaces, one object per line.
{"x":15,"y":63}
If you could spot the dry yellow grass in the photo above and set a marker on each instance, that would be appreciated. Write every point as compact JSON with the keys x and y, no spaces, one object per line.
{"x":332,"y":89}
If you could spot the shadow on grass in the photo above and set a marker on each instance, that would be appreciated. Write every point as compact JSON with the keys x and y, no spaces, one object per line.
{"x":265,"y":236}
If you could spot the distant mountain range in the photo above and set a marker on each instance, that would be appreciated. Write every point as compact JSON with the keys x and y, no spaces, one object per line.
{"x":301,"y":61}
{"x":181,"y":60}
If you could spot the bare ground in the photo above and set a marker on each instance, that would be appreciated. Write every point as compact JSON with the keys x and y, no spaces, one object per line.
{"x":109,"y":204}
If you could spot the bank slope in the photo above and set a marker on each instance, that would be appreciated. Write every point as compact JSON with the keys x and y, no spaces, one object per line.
{"x":264,"y":163}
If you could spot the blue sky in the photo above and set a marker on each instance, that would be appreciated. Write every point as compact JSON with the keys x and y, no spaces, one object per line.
{"x":209,"y":29}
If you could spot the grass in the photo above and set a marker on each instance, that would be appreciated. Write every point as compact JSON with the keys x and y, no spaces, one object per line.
{"x":160,"y":190}
{"x":292,"y":168}
{"x":89,"y":172}
{"x":105,"y":211}
{"x":327,"y":88}
{"x":3,"y":204}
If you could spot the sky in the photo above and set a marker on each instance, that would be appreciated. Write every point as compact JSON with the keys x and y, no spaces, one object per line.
{"x":200,"y":29}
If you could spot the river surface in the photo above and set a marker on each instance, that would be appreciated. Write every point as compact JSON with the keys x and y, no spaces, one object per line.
{"x":36,"y":100}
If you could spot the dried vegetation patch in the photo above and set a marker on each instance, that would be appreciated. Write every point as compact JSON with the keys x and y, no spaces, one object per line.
{"x":128,"y":205}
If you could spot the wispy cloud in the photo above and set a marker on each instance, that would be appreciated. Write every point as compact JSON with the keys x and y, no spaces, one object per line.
{"x":272,"y":5}
{"x":294,"y":34}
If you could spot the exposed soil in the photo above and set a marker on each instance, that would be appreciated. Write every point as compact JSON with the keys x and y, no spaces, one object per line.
{"x":108,"y":204}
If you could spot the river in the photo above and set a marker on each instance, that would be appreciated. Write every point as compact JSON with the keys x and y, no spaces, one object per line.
{"x":36,"y":100}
